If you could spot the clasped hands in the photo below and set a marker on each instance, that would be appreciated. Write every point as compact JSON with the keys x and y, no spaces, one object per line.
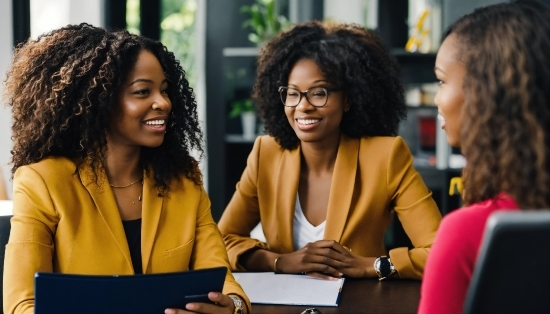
{"x":326,"y":259}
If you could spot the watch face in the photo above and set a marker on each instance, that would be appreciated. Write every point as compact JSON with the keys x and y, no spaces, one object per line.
{"x":385,"y":267}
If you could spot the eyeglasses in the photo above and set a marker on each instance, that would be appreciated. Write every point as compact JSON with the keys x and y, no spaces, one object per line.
{"x":317,"y":96}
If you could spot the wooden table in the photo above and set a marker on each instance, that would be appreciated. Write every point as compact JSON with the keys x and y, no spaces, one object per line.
{"x":363,"y":296}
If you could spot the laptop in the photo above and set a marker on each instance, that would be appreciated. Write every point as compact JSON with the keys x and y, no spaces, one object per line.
{"x":512,"y":273}
{"x":145,"y":293}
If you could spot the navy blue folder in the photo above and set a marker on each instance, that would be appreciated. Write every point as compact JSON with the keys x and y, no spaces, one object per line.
{"x":148,"y":293}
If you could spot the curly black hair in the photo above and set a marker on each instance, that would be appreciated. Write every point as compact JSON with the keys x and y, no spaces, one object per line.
{"x":62,"y":88}
{"x":505,"y":135}
{"x":352,"y":58}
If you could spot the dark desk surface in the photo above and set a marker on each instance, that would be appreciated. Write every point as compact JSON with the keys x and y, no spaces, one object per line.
{"x":363,"y":296}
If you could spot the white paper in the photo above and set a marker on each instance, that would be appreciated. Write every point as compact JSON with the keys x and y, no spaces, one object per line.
{"x":271,"y":288}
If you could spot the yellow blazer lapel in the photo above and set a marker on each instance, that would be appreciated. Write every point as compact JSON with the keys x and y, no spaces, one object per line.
{"x":104,"y":200}
{"x":341,"y":189}
{"x":287,"y":188}
{"x":151,"y":210}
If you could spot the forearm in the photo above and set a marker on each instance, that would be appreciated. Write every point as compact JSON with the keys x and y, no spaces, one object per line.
{"x":258,"y":260}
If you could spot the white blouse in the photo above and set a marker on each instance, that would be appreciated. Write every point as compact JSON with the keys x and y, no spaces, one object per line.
{"x":303,"y":231}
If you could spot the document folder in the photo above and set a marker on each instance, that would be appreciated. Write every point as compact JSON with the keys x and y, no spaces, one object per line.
{"x":147,"y":293}
{"x":289,"y":289}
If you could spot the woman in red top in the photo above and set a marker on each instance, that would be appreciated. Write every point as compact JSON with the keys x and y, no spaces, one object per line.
{"x":494,"y":102}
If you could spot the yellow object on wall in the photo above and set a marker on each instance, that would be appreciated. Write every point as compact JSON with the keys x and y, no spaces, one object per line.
{"x":456,"y":186}
{"x":419,"y":33}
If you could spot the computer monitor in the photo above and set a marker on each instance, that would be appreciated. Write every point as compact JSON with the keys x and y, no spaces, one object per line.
{"x":512,"y":273}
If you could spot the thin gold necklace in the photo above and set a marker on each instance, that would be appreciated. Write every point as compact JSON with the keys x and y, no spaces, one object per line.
{"x":125,"y":186}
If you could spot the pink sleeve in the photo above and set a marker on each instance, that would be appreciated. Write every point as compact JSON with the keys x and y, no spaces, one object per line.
{"x":449,"y":267}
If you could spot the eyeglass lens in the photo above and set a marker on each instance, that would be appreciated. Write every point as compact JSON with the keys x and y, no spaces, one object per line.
{"x":316,"y":96}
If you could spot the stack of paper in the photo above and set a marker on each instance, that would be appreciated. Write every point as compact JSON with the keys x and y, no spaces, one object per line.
{"x":271,"y":288}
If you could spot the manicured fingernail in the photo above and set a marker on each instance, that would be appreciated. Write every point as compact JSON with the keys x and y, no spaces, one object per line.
{"x":190,"y":306}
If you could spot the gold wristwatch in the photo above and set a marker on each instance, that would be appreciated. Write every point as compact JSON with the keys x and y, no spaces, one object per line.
{"x":238,"y":304}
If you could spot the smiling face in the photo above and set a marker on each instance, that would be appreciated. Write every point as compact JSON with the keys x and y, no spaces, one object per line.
{"x":140,"y":116}
{"x":449,"y":98}
{"x":314,"y":124}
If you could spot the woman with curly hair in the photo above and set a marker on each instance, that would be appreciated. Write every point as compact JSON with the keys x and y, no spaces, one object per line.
{"x":104,"y":182}
{"x":326,"y":180}
{"x":494,"y":99}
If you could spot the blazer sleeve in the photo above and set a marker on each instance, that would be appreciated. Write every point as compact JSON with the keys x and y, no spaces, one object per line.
{"x":242,"y":213}
{"x":30,"y":247}
{"x":415,"y":208}
{"x":209,"y":249}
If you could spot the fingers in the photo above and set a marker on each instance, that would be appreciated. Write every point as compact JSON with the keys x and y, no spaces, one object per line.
{"x":332,"y":245}
{"x":323,"y":269}
{"x":222,"y":304}
{"x":220,"y":298}
{"x":326,"y":257}
{"x":309,"y":260}
{"x":338,"y":254}
{"x":322,"y":265}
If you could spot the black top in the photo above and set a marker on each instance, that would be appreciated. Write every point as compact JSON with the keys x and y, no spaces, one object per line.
{"x":132,"y":228}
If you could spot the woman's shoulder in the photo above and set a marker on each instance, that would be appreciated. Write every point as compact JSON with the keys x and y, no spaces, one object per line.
{"x":267,"y":144}
{"x":386,"y":146}
{"x":477,"y":214}
{"x":52,"y":165}
{"x":382,"y":142}
{"x":55,"y":171}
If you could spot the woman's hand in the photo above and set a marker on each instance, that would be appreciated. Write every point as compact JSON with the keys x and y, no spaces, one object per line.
{"x":326,"y":259}
{"x":353,"y":265}
{"x":222,"y":304}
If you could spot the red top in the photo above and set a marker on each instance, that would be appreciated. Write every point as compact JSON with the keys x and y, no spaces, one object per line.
{"x":453,"y":255}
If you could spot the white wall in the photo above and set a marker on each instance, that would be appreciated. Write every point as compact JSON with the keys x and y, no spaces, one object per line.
{"x":47,"y":15}
{"x":200,"y":89}
{"x":362,"y":12}
{"x":6,"y":48}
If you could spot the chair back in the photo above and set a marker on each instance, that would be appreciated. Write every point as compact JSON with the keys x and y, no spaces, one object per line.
{"x":4,"y":236}
{"x":512,"y":273}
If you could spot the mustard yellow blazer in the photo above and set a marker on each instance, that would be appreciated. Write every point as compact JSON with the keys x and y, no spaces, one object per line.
{"x":64,"y":222}
{"x":372,"y":177}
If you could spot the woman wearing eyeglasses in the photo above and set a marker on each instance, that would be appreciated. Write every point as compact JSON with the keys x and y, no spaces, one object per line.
{"x":327,"y":178}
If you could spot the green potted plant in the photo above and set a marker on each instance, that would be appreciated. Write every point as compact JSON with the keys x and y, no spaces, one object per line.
{"x":264,"y":20}
{"x":245,"y":109}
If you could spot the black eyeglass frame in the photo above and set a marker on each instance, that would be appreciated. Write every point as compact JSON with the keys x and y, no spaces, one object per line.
{"x":328,"y":91}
